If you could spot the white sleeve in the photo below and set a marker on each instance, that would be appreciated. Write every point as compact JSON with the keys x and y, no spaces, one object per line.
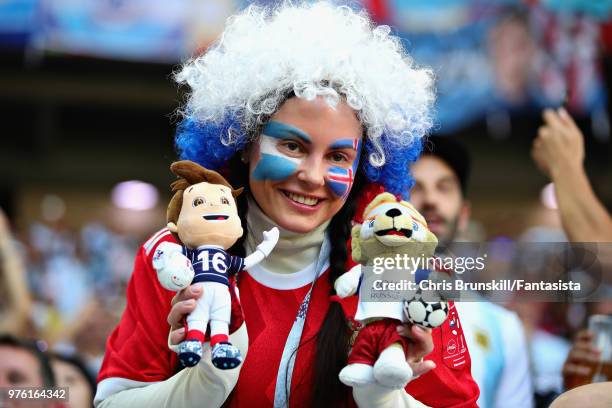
{"x":375,"y":395}
{"x":191,"y":387}
{"x":515,"y":388}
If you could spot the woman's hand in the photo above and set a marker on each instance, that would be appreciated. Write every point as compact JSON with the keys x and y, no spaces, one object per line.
{"x":183,"y":303}
{"x":421,"y":345}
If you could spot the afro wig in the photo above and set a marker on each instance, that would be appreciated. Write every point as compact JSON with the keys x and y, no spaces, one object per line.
{"x":306,"y":50}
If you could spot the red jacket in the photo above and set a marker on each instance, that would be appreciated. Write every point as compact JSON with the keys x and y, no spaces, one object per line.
{"x":137,"y":349}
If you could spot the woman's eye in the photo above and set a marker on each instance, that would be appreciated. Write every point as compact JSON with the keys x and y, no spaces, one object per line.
{"x":292,"y":146}
{"x":224,"y":201}
{"x":338,"y":158}
{"x":198,"y":201}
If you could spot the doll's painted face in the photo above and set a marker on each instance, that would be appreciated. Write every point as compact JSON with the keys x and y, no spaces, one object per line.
{"x":208,"y":216}
{"x":303,"y":165}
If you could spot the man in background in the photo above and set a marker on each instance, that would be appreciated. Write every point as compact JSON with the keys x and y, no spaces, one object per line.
{"x":22,"y":365}
{"x":494,"y":335}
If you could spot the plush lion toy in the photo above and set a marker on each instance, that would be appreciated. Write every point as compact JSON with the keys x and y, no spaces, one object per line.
{"x":203,"y":216}
{"x":390,"y":227}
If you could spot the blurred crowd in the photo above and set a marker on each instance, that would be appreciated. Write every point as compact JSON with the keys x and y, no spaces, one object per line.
{"x":63,"y":291}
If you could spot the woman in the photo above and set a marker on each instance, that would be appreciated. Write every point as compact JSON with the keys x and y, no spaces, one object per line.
{"x":303,"y":106}
{"x":70,"y":372}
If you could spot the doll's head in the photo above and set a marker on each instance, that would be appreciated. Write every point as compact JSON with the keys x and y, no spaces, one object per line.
{"x":203,"y":209}
{"x":391,"y":226}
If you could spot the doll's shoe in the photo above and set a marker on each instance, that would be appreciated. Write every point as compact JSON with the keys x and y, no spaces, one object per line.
{"x":225,"y":356}
{"x":391,"y":368}
{"x":190,"y":352}
{"x":356,"y":375}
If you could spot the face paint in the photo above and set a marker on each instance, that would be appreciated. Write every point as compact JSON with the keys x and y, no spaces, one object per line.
{"x":280,"y":130}
{"x":340,"y":179}
{"x":274,"y":165}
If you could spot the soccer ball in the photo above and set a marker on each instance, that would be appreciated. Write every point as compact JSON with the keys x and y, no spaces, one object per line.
{"x":176,"y":272}
{"x":424,"y":314}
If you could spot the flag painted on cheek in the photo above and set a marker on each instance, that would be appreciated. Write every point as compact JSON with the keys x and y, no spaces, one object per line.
{"x":340,"y":179}
{"x":274,"y":165}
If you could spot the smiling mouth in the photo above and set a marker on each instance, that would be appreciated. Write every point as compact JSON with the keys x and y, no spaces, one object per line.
{"x":301,"y":199}
{"x":404,"y":232}
{"x":216,"y":217}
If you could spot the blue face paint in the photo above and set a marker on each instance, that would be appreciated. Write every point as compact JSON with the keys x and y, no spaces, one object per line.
{"x":345,"y":144}
{"x":272,"y":167}
{"x":280,"y":130}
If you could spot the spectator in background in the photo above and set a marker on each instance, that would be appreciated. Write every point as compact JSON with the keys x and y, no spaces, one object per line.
{"x":70,"y":371}
{"x":494,"y":335}
{"x":14,"y":295}
{"x":22,"y":364}
{"x":584,"y":356}
{"x":558,"y":151}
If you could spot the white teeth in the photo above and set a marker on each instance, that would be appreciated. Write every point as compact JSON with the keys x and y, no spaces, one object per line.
{"x":302,"y":199}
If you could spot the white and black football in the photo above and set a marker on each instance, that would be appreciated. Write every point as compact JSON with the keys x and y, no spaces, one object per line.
{"x":425,"y":314}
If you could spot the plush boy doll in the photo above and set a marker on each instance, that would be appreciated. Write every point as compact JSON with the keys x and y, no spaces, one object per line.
{"x":203,"y":216}
{"x":390,"y":227}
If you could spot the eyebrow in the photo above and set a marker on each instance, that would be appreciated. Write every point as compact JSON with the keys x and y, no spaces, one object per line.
{"x":280,"y":130}
{"x":343,"y":144}
{"x":448,"y":179}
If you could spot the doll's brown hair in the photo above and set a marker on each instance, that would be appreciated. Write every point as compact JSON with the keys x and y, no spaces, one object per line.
{"x":190,"y":173}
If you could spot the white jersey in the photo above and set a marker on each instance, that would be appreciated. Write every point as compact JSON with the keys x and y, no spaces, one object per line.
{"x":499,"y":353}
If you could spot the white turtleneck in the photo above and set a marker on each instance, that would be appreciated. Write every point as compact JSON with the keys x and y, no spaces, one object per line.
{"x":291,"y":264}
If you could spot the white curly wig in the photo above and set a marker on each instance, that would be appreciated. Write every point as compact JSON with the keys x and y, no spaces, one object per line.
{"x":310,"y":49}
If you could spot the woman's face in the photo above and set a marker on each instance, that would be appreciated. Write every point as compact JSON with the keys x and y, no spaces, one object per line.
{"x":69,"y":376}
{"x":302,"y":167}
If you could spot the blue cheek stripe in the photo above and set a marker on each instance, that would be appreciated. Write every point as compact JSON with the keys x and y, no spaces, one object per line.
{"x":272,"y":167}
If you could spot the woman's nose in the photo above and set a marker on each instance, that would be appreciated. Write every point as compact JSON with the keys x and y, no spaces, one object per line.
{"x":313,"y":172}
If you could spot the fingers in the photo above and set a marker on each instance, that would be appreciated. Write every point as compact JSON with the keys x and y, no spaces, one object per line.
{"x":178,"y":311}
{"x":576,"y":369}
{"x":421,"y":338}
{"x":422,"y":367}
{"x":559,"y":123}
{"x":583,"y":355}
{"x":553,"y":119}
{"x":584,"y":336}
{"x":191,"y":292}
{"x":176,"y":336}
{"x":567,"y":119}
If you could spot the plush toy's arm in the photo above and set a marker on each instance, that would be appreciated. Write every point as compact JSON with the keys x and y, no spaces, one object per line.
{"x":375,"y":395}
{"x":346,"y":285}
{"x":174,"y":270}
{"x":263,"y":250}
{"x":162,"y":252}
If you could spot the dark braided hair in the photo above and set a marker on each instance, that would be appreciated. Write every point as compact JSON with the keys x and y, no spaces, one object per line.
{"x":333,"y":339}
